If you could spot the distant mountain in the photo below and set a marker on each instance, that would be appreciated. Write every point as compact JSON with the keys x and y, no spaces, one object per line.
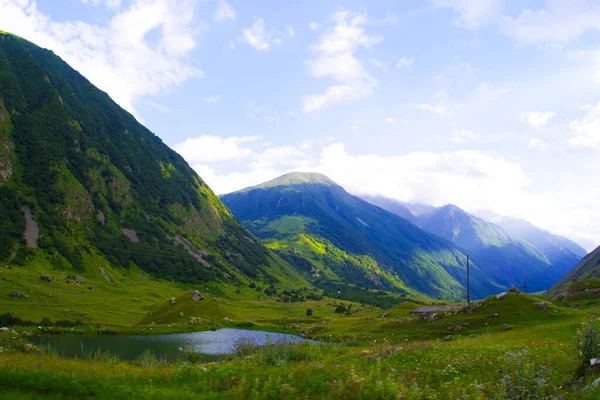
{"x":559,"y":250}
{"x":392,"y":206}
{"x":587,"y":269}
{"x":336,"y":236}
{"x":90,"y":188}
{"x":510,"y":258}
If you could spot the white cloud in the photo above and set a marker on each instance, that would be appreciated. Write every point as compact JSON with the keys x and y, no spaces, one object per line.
{"x":209,"y":148}
{"x":257,"y":37}
{"x":255,"y":111}
{"x":117,"y":57}
{"x":559,"y":22}
{"x":222,"y":183}
{"x":537,"y":144}
{"x":405,"y":62}
{"x":472,"y":14}
{"x":390,"y":120}
{"x":313,"y":26}
{"x":336,"y":60}
{"x":381,"y":65}
{"x":536,"y":119}
{"x":108,"y":3}
{"x":586,"y":131}
{"x":438,"y":109}
{"x":223,"y":12}
{"x":464,"y":135}
{"x":212,"y":99}
{"x":473,"y":180}
{"x":290,"y":31}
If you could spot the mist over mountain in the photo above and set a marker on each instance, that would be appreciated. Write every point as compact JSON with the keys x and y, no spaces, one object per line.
{"x":520,"y":253}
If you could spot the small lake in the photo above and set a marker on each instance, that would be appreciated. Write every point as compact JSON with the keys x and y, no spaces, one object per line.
{"x":212,"y":345}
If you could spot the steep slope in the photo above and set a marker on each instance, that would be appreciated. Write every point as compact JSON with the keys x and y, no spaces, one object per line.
{"x":513,"y":260}
{"x":344,"y":237}
{"x":89,"y":187}
{"x":509,"y":258}
{"x":559,"y":250}
{"x":587,"y":269}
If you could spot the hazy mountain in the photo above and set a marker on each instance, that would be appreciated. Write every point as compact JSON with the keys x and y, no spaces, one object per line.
{"x":558,"y":249}
{"x":99,"y":189}
{"x":392,"y":206}
{"x":344,"y":237}
{"x":510,"y":258}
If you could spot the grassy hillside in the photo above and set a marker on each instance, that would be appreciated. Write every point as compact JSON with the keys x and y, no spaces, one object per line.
{"x":367,"y":354}
{"x":346,"y":238}
{"x":587,"y":270}
{"x":100,"y":190}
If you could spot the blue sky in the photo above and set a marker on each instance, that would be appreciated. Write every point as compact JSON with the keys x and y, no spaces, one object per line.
{"x":487,"y":104}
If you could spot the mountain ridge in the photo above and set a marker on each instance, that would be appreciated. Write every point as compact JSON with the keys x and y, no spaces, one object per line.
{"x":424,"y":262}
{"x":511,"y":259}
{"x":104,"y":190}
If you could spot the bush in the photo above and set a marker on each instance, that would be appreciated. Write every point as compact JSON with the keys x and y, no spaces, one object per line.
{"x":280,"y":353}
{"x":524,"y":379}
{"x":340,"y":309}
{"x":149,"y":360}
{"x":588,"y":344}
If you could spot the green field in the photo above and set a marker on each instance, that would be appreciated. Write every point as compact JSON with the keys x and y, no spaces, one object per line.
{"x":368,"y":353}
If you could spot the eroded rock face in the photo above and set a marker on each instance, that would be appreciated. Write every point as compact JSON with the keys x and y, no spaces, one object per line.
{"x":6,"y":164}
{"x":131,"y":234}
{"x":31,"y":228}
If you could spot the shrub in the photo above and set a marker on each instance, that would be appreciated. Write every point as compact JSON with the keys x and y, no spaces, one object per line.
{"x":149,"y":360}
{"x":524,"y":379}
{"x":341,"y":309}
{"x":588,"y":344}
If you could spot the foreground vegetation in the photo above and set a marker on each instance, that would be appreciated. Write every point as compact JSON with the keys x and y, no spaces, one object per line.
{"x":500,"y":349}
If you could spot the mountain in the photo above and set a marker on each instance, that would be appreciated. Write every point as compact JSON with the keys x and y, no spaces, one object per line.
{"x":559,"y":250}
{"x":587,"y":269}
{"x":334,"y":236}
{"x":531,"y":255}
{"x":392,"y":206}
{"x":90,"y":188}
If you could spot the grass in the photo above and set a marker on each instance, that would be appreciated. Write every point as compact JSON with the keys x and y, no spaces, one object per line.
{"x":371,"y":352}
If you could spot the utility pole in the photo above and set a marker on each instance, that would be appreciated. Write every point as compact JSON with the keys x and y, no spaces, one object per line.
{"x":468,"y":288}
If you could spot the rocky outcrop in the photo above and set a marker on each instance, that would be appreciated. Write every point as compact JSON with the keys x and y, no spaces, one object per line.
{"x":196,"y":296}
{"x":131,"y":235}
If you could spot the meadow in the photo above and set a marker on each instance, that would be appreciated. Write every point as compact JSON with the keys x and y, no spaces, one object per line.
{"x":498,"y":349}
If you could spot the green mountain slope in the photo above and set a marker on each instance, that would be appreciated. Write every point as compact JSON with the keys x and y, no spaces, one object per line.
{"x":523,"y":253}
{"x":88,"y":186}
{"x":511,"y":260}
{"x":587,"y":269}
{"x":560,"y":251}
{"x":332,"y":235}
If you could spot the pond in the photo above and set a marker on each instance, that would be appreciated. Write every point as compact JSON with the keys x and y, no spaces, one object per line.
{"x":211,"y":345}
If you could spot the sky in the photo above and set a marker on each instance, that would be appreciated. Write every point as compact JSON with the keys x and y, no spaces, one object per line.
{"x":492,"y":105}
